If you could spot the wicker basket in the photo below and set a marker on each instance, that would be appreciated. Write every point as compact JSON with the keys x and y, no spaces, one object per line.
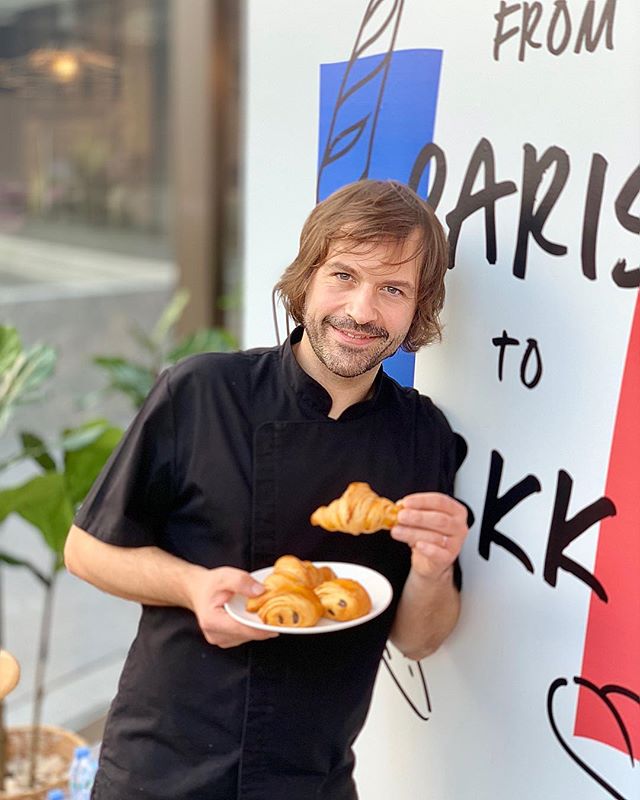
{"x":53,"y":741}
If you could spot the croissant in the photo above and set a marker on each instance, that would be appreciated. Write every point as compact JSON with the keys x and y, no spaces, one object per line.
{"x":303,"y":572}
{"x":297,"y":607}
{"x":326,"y":574}
{"x":279,"y":580}
{"x":317,"y":575}
{"x":274,"y":583}
{"x":294,"y":569}
{"x":343,"y":599}
{"x":358,"y":510}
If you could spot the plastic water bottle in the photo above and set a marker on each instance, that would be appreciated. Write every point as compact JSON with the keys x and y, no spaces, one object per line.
{"x":81,"y":774}
{"x":56,"y":794}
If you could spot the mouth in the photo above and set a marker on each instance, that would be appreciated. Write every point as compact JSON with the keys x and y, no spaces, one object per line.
{"x":354,"y":338}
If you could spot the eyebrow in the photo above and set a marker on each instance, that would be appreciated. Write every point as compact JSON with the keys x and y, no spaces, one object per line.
{"x":347,"y":268}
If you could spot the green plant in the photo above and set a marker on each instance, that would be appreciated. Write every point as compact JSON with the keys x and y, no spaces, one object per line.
{"x":22,"y":374}
{"x":68,"y":467}
{"x":135,"y":379}
{"x":48,"y":502}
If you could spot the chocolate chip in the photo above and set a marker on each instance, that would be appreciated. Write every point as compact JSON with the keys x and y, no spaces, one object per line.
{"x":281,"y":619}
{"x":296,"y":617}
{"x":330,"y":611}
{"x":342,"y":603}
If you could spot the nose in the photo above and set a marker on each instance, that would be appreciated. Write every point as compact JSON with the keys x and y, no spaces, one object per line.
{"x":362,"y":304}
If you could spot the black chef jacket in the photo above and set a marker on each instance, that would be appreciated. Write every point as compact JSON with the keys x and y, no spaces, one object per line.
{"x":223,"y":466}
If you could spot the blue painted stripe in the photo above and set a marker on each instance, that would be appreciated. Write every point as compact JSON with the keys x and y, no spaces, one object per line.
{"x":404,"y":124}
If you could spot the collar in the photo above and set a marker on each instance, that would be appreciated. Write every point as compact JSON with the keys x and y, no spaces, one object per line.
{"x":312,"y":395}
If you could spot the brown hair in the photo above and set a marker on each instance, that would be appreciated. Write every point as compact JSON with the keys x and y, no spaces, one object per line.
{"x":370,"y":212}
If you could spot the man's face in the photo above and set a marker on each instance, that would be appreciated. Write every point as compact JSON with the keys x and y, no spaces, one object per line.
{"x":360,"y":304}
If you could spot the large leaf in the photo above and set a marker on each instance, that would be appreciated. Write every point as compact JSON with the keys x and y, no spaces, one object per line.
{"x":212,"y":340}
{"x":77,"y":438}
{"x":43,"y":501}
{"x":40,"y":363}
{"x":83,"y":464}
{"x":125,"y":376}
{"x":21,"y":373}
{"x":10,"y":347}
{"x":33,"y":447}
{"x":170,"y":316}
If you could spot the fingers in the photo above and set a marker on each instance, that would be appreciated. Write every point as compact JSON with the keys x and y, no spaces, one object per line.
{"x":421,"y":538}
{"x":434,"y":525}
{"x":432,"y":520}
{"x":210,"y":592}
{"x":434,"y":501}
{"x":221,"y":630}
{"x":430,"y":560}
{"x":235,"y":581}
{"x":445,"y":533}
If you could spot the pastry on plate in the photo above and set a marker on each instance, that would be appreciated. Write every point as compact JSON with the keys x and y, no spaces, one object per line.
{"x":305,"y":572}
{"x":296,"y":607}
{"x":343,"y":599}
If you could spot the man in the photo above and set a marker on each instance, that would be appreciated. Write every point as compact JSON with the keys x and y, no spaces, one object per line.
{"x":217,"y":477}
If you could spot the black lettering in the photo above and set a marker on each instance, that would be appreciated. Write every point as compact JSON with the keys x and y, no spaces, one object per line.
{"x":503,"y":342}
{"x":469,"y":203}
{"x":532,"y":222}
{"x":586,"y":35}
{"x":563,"y":531}
{"x":625,"y":200}
{"x":623,"y":277}
{"x":591,"y":220}
{"x":532,"y":350}
{"x":428,"y":152}
{"x":495,"y":508}
{"x":501,"y":36}
{"x":531,"y":14}
{"x":559,"y":11}
{"x":627,"y":279}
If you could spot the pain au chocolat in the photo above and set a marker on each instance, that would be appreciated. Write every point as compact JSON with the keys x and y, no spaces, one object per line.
{"x":299,"y":593}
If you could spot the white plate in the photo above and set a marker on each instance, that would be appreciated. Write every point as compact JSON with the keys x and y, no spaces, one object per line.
{"x":377,"y":586}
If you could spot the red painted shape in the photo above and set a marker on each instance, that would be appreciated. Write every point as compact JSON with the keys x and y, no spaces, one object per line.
{"x":612,"y":642}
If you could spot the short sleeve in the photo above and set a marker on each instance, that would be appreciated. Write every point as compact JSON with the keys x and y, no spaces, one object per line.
{"x":129,"y":503}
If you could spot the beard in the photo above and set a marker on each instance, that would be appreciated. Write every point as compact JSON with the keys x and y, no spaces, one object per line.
{"x":341,"y":359}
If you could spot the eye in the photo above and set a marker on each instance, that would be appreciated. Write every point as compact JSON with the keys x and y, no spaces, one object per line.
{"x":342,"y":276}
{"x":394,"y":291}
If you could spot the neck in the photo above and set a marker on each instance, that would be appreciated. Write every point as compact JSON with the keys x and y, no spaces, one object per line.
{"x":344,"y":392}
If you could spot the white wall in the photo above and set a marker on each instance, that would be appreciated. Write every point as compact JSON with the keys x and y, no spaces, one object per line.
{"x":488,"y":735}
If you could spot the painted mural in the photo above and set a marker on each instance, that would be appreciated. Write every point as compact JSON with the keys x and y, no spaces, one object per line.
{"x":480,"y":107}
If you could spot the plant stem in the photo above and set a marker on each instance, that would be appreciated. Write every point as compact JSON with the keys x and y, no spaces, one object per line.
{"x":43,"y":654}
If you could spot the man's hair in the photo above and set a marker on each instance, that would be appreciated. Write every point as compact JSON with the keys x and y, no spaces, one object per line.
{"x":372,"y":212}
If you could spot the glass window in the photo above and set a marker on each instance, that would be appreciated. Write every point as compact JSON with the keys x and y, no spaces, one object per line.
{"x":84,"y":191}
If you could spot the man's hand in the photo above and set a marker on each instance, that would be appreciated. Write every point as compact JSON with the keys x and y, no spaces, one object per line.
{"x":209,"y":591}
{"x":434,"y":525}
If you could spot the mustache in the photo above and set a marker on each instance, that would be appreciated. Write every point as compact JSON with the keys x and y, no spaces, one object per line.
{"x":348,"y":324}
